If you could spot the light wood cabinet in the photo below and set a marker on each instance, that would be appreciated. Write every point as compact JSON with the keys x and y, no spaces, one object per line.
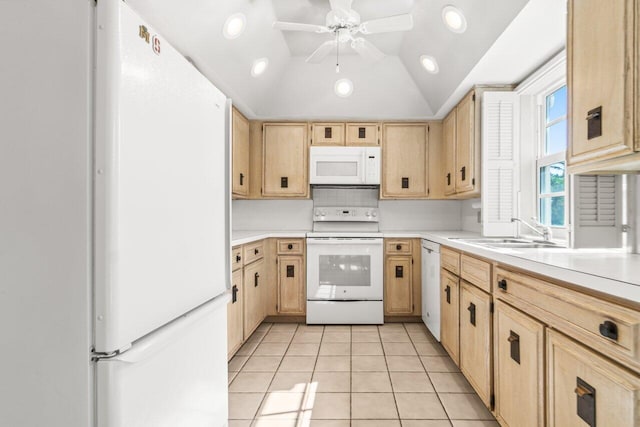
{"x":586,"y":389}
{"x":449,"y":141}
{"x":363,"y":134}
{"x":404,"y":160}
{"x":236,"y":258}
{"x":398,"y":285}
{"x":240,"y":154}
{"x":449,"y":314}
{"x":467,"y":150}
{"x":235,"y":334}
{"x":476,"y":271}
{"x":253,"y":289}
{"x":519,"y":368}
{"x":602,"y":78}
{"x":475,"y":339}
{"x":450,"y":260}
{"x":291,"y":277}
{"x":327,"y":134}
{"x":285,"y":160}
{"x":402,"y":277}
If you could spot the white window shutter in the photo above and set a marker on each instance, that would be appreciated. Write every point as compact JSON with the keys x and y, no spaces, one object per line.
{"x":500,"y":136}
{"x":597,"y":201}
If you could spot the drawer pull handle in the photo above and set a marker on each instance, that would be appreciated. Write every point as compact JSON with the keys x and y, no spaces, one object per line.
{"x":463,"y":173}
{"x":472,"y":313}
{"x":449,"y":179}
{"x":289,"y":246}
{"x":447,"y":291}
{"x":291,"y":271}
{"x":399,"y":272}
{"x":609,"y":330}
{"x":581,"y":391}
{"x":502,"y":284}
{"x":586,"y":402}
{"x":398,"y":247}
{"x":234,"y":294}
{"x":514,"y":342}
{"x":256,"y":251}
{"x":255,"y":280}
{"x":238,"y":258}
{"x":241,"y":179}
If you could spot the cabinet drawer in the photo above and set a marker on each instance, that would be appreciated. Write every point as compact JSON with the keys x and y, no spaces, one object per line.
{"x":236,"y":258}
{"x":586,"y":389}
{"x":398,"y":247}
{"x":607,"y":327}
{"x":328,"y":134}
{"x":362,"y":134}
{"x":253,"y":251}
{"x":450,"y":260}
{"x":476,"y":271}
{"x":290,"y":246}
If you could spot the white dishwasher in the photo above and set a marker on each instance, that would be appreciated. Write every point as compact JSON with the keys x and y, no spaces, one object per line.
{"x":431,"y":286}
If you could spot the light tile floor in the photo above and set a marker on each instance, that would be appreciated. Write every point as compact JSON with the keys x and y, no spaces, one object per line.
{"x":362,"y":376}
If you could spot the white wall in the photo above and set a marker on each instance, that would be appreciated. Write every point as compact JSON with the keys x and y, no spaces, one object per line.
{"x":285,"y":215}
{"x":470,"y":214}
{"x":45,"y":184}
{"x":395,"y":215}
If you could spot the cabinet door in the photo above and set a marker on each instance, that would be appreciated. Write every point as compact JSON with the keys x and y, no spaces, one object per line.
{"x":449,"y":141}
{"x":327,"y":134}
{"x":254,"y":307}
{"x":600,"y":60}
{"x":285,"y":158}
{"x":586,"y":389}
{"x":240,"y":154}
{"x":475,"y":339}
{"x":449,"y":314}
{"x":235,"y":333}
{"x":404,"y":160}
{"x":291,"y":285}
{"x":519,"y":368}
{"x":363,"y":134}
{"x":398,"y":289}
{"x":465,"y":144}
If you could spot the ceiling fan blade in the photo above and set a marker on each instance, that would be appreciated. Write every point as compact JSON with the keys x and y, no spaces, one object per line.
{"x":388,"y":24}
{"x":295,"y":26}
{"x":320,"y":53}
{"x":341,"y":4}
{"x":367,"y":49}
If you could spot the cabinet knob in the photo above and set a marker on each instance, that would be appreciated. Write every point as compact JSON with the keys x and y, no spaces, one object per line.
{"x":289,"y":246}
{"x":405,"y":182}
{"x":609,"y":330}
{"x":291,"y":271}
{"x":398,"y":247}
{"x":502,"y":284}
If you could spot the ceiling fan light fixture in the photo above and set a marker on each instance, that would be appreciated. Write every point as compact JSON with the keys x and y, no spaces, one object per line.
{"x":234,"y":26}
{"x":343,"y":88}
{"x":429,"y":63}
{"x":454,"y":19}
{"x":259,"y":66}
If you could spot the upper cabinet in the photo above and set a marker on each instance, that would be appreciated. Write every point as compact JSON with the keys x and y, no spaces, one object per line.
{"x":285,"y":160}
{"x":449,"y":141}
{"x":240,"y":155}
{"x":326,"y":134}
{"x":405,"y":157}
{"x":602,"y":74}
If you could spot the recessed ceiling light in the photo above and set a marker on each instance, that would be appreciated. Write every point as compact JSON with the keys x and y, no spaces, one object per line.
{"x":343,"y":88}
{"x":454,"y":19}
{"x":429,"y":63}
{"x":259,"y":66}
{"x":234,"y":25}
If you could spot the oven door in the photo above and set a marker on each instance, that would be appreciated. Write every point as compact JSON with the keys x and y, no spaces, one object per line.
{"x":344,"y":269}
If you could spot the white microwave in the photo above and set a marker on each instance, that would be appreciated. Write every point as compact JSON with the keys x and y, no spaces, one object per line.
{"x":345,"y":165}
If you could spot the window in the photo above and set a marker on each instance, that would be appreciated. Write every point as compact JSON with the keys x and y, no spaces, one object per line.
{"x":551,"y":163}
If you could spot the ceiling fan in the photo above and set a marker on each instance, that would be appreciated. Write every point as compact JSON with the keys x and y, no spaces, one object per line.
{"x":345,"y":24}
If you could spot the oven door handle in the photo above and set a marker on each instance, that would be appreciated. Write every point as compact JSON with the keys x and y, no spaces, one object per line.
{"x":344,"y":241}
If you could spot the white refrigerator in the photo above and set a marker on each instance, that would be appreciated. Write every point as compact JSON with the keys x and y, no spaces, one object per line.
{"x":156,"y":215}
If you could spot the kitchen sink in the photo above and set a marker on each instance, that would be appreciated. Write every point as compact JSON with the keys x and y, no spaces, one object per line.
{"x":508,"y":243}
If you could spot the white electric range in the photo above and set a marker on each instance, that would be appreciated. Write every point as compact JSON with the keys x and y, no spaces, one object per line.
{"x":345,"y":266}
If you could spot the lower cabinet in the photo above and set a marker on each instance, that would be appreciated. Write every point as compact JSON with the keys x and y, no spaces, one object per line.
{"x":253,"y":289}
{"x":449,"y":314}
{"x":585,"y":389}
{"x":398,"y":289}
{"x":291,"y":284}
{"x":235,"y":335}
{"x":475,"y":339}
{"x":519,"y":368}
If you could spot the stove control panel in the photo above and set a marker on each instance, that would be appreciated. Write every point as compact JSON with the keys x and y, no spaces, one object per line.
{"x":341,"y":214}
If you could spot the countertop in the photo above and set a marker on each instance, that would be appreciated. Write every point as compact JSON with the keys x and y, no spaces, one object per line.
{"x":612,"y":272}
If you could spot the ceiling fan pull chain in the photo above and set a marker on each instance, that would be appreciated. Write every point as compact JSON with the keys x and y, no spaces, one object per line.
{"x":337,"y":52}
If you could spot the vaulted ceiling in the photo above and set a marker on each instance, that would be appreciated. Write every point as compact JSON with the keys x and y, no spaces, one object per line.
{"x":505,"y":40}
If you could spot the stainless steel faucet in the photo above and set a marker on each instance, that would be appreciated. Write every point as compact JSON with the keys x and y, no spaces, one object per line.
{"x":546,"y":230}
